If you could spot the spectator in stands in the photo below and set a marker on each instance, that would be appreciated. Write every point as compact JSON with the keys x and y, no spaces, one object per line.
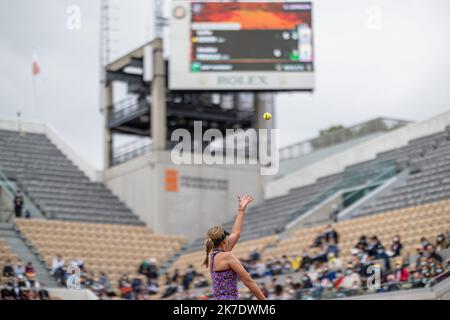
{"x":351,"y":282}
{"x":176,"y":275}
{"x":306,"y":282}
{"x":396,"y":247}
{"x":149,"y":268}
{"x":331,"y":234}
{"x":171,"y":289}
{"x":78,"y":263}
{"x":125,"y":287}
{"x":104,"y":281}
{"x":278,"y":293}
{"x":391,"y":283}
{"x":417,"y":280}
{"x":362,"y":243}
{"x":375,"y":250}
{"x":29,"y":271}
{"x":58,"y":268}
{"x":430,"y":252}
{"x":18,"y":204}
{"x":441,"y":242}
{"x":260,"y":270}
{"x":401,"y":272}
{"x":137,"y":285}
{"x":334,"y":262}
{"x":295,"y":263}
{"x":320,"y":238}
{"x":8,"y":269}
{"x":424,"y":243}
{"x":306,"y":260}
{"x":201,"y":282}
{"x":254,"y":255}
{"x":332,"y":248}
{"x":152,"y":287}
{"x":19,"y":269}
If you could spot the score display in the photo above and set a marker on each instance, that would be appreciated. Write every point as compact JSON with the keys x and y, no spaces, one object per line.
{"x":251,"y":36}
{"x":242,"y":46}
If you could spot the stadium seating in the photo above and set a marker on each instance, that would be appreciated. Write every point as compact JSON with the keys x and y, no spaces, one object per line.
{"x":242,"y":250}
{"x":411,"y":224}
{"x":110,"y":248}
{"x":429,"y":174}
{"x":428,"y":154}
{"x":55,"y":184}
{"x":6,"y":254}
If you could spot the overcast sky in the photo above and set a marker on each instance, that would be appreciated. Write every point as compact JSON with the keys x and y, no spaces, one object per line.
{"x":373,"y":58}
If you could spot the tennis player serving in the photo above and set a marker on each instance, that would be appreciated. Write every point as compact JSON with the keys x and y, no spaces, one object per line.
{"x":225,"y":268}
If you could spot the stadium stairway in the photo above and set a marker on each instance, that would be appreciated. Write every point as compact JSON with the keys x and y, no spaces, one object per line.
{"x":55,"y":184}
{"x":24,"y":252}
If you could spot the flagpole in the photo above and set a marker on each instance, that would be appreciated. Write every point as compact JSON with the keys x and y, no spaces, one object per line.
{"x":33,"y":97}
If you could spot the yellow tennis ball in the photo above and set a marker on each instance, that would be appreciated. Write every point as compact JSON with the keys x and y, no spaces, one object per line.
{"x":267,"y":116}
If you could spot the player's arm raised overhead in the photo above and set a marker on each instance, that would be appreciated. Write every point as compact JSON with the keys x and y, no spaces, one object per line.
{"x":235,"y":265}
{"x":237,"y":227}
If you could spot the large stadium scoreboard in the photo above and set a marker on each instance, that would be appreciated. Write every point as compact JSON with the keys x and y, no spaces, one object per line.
{"x":241,"y":46}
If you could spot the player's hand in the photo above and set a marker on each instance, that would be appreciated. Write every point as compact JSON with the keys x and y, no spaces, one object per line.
{"x":244,"y":201}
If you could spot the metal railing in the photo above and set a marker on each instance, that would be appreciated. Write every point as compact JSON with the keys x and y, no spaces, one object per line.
{"x":131,"y":150}
{"x":126,"y":109}
{"x":342,"y":135}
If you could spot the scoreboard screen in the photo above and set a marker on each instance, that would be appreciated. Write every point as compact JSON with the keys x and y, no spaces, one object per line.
{"x":248,"y":45}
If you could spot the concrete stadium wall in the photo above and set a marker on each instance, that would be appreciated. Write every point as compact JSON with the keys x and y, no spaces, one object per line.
{"x":56,"y":139}
{"x":361,"y":152}
{"x":441,"y":291}
{"x":186,"y":207}
{"x":72,"y":294}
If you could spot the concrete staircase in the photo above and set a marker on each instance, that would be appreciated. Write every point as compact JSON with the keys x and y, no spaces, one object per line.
{"x":24,"y":252}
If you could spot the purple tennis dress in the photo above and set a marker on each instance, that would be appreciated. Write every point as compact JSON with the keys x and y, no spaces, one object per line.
{"x":224,"y":282}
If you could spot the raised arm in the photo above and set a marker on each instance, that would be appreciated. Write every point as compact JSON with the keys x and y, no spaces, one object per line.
{"x":235,"y":265}
{"x":237,"y":227}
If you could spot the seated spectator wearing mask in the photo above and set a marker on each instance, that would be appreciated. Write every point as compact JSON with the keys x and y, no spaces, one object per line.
{"x":401,"y":272}
{"x":57,"y":267}
{"x":441,"y":242}
{"x":375,"y":250}
{"x":362,"y":243}
{"x":424,"y":243}
{"x":430,"y":252}
{"x":417,"y":280}
{"x":331,"y":235}
{"x":306,"y":282}
{"x":19,"y":269}
{"x":351,"y":282}
{"x":396,"y":247}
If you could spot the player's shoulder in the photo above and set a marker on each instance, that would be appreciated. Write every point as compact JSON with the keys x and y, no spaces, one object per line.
{"x":228,"y":255}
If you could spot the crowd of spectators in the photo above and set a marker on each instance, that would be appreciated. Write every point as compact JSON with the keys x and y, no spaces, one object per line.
{"x":319,"y":272}
{"x":19,"y":282}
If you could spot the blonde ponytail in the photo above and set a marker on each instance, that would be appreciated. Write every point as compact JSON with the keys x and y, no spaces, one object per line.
{"x":209,"y":245}
{"x":214,"y":237}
